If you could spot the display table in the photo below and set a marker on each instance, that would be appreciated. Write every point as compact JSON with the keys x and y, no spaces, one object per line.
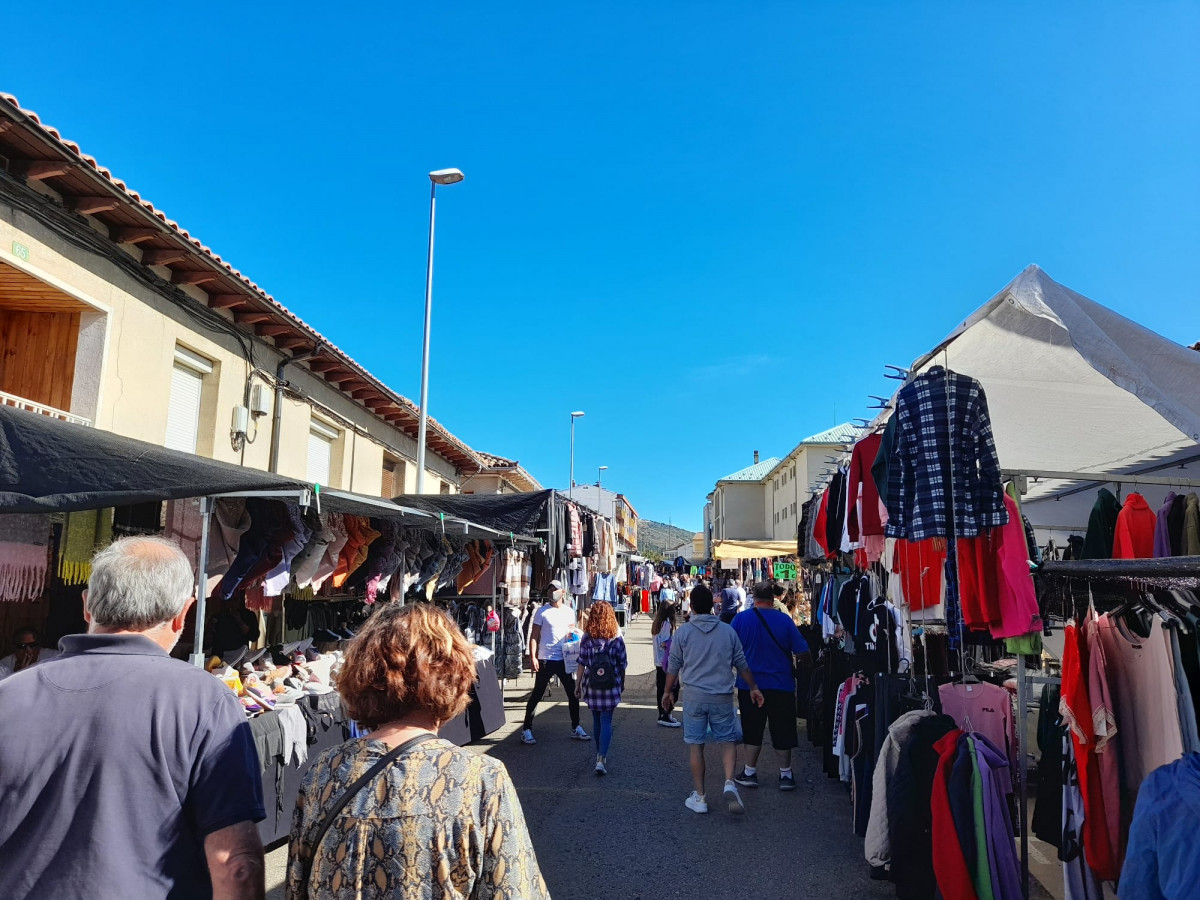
{"x":281,"y":782}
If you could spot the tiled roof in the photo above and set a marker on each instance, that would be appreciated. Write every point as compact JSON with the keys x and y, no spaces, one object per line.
{"x":38,"y":152}
{"x":512,"y":469}
{"x":846,"y":433}
{"x":755,"y":472}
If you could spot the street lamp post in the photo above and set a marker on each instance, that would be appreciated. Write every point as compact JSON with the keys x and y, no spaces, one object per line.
{"x":571,"y":489}
{"x":599,"y":477}
{"x":441,"y":176}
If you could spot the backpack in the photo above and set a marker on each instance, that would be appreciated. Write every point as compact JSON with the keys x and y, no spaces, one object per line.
{"x":601,"y":671}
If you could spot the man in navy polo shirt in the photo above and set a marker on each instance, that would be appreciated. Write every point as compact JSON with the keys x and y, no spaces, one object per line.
{"x":131,"y":774}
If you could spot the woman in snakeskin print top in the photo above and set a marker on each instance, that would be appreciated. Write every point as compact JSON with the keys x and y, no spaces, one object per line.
{"x":439,"y":823}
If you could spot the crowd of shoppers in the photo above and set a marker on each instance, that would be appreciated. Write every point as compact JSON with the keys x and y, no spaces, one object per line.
{"x":153,"y":789}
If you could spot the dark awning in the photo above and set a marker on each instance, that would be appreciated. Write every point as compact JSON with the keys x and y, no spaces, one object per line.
{"x":519,"y":514}
{"x":48,"y":465}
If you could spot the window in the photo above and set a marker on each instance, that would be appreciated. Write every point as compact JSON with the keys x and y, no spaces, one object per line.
{"x":393,"y":478}
{"x":320,"y":452}
{"x":793,"y":508}
{"x":183,"y":411}
{"x":445,"y":488}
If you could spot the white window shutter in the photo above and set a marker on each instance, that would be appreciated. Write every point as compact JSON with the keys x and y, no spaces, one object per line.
{"x":183,"y":413}
{"x":320,"y":452}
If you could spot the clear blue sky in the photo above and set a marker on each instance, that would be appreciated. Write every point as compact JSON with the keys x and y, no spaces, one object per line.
{"x":707,"y":225}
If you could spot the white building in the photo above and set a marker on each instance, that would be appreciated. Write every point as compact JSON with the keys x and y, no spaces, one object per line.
{"x":787,"y":487}
{"x":736,"y":509}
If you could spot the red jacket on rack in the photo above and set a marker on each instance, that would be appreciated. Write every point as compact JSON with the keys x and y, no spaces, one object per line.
{"x":862,"y":486}
{"x":949,"y":864}
{"x":1135,"y":530}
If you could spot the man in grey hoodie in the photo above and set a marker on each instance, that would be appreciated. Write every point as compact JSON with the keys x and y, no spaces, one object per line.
{"x":704,"y":653}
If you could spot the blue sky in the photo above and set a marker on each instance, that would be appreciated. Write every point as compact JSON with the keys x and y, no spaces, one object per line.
{"x":708,"y":225}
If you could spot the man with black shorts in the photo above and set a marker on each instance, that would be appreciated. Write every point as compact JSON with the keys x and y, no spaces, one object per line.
{"x":769,"y":639}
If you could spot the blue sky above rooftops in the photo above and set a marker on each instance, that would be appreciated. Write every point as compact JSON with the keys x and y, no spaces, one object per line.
{"x":707,"y":225}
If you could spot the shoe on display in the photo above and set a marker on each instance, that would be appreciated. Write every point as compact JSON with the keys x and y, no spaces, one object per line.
{"x":787,"y":783}
{"x":579,"y":734}
{"x":527,"y":737}
{"x":600,"y":769}
{"x":747,"y":780}
{"x":733,"y":800}
{"x":696,"y":803}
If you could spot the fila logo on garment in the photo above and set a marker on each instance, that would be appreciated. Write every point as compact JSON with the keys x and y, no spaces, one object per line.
{"x":987,"y":709}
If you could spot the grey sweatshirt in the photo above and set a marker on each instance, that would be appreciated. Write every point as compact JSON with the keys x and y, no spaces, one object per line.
{"x":704,"y":654}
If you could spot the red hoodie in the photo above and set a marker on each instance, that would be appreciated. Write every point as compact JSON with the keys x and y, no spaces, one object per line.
{"x":1135,"y":530}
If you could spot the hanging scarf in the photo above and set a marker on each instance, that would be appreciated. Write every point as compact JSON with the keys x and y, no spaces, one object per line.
{"x":86,"y":532}
{"x":24,"y":557}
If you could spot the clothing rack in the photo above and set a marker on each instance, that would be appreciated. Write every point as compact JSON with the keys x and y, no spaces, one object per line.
{"x":1171,"y":569}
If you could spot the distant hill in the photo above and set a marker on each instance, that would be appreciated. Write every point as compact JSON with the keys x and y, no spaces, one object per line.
{"x":655,"y":537}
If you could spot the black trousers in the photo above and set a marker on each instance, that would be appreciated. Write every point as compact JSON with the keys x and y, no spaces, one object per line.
{"x":547,"y":669}
{"x":660,"y":682}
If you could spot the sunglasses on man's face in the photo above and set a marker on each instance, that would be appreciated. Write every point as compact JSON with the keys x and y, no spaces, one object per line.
{"x":27,"y":645}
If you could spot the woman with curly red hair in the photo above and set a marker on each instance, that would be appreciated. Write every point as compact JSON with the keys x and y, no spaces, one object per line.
{"x":600,"y":676}
{"x":402,"y":813}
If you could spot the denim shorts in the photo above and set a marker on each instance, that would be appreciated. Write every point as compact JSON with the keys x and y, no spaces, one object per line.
{"x":710,"y":723}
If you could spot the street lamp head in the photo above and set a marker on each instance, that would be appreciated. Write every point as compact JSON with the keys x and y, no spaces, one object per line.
{"x":446,"y":176}
{"x":576,"y":415}
{"x":604,"y":468}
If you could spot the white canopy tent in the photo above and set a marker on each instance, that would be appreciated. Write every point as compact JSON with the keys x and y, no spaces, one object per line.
{"x":1073,"y":387}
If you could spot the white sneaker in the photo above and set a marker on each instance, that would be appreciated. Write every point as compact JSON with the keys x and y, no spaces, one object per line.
{"x":579,"y":734}
{"x":670,"y":722}
{"x":733,"y":800}
{"x":527,"y":737}
{"x":696,"y":803}
{"x":600,"y":770}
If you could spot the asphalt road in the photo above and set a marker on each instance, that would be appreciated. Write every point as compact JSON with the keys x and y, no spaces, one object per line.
{"x":628,"y":836}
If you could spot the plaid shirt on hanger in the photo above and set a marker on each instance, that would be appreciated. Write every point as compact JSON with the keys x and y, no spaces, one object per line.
{"x":943,"y":450}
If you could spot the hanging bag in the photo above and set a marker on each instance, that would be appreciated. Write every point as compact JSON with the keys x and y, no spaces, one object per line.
{"x":392,"y":755}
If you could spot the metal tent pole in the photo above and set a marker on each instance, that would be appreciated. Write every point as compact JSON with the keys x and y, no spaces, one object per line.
{"x":206,"y":507}
{"x":1023,"y":772}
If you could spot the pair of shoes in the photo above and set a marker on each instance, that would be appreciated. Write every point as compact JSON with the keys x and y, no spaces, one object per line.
{"x":579,"y":734}
{"x":527,"y":737}
{"x":733,"y":800}
{"x":670,"y":722}
{"x":787,"y":783}
{"x":747,"y":780}
{"x":600,"y":770}
{"x":696,"y":803}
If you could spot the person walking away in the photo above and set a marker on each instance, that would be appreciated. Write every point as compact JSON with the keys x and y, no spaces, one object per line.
{"x":131,"y":774}
{"x":29,"y":653}
{"x":401,"y":814}
{"x":666,"y":594}
{"x":661,"y":629}
{"x":770,"y":640}
{"x":731,"y":601}
{"x":552,"y":625}
{"x":743,"y":600}
{"x":704,"y":653}
{"x":779,"y":594}
{"x":600,"y":676}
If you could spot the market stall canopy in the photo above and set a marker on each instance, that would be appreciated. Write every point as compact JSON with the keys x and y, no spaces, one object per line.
{"x":1074,"y":387}
{"x":518,"y":514}
{"x":48,"y":465}
{"x":752,"y":549}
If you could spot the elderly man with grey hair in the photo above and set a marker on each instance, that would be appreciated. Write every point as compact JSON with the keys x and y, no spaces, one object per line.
{"x":126,"y":773}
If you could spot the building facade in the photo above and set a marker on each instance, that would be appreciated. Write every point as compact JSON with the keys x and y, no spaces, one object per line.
{"x":114,"y":316}
{"x":499,"y":476}
{"x":736,"y":509}
{"x":788,"y":486}
{"x":613,"y":506}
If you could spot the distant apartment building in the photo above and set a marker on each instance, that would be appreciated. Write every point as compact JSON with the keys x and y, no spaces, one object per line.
{"x":736,"y":507}
{"x":615,"y":507}
{"x":112,"y":315}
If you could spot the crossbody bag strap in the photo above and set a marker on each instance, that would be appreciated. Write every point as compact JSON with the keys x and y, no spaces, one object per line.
{"x":770,"y":633}
{"x":390,"y":757}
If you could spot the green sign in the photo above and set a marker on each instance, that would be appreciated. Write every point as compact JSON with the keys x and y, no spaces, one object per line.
{"x":785,"y":571}
{"x":20,"y":251}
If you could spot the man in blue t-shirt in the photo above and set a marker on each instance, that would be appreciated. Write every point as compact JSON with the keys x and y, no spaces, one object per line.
{"x":770,"y":639}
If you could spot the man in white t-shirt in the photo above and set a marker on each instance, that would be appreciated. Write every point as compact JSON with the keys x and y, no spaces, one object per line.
{"x":552,"y":624}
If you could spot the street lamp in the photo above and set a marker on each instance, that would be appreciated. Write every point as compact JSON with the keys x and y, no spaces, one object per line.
{"x":599,"y":474}
{"x":571,"y":489}
{"x":441,"y":176}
